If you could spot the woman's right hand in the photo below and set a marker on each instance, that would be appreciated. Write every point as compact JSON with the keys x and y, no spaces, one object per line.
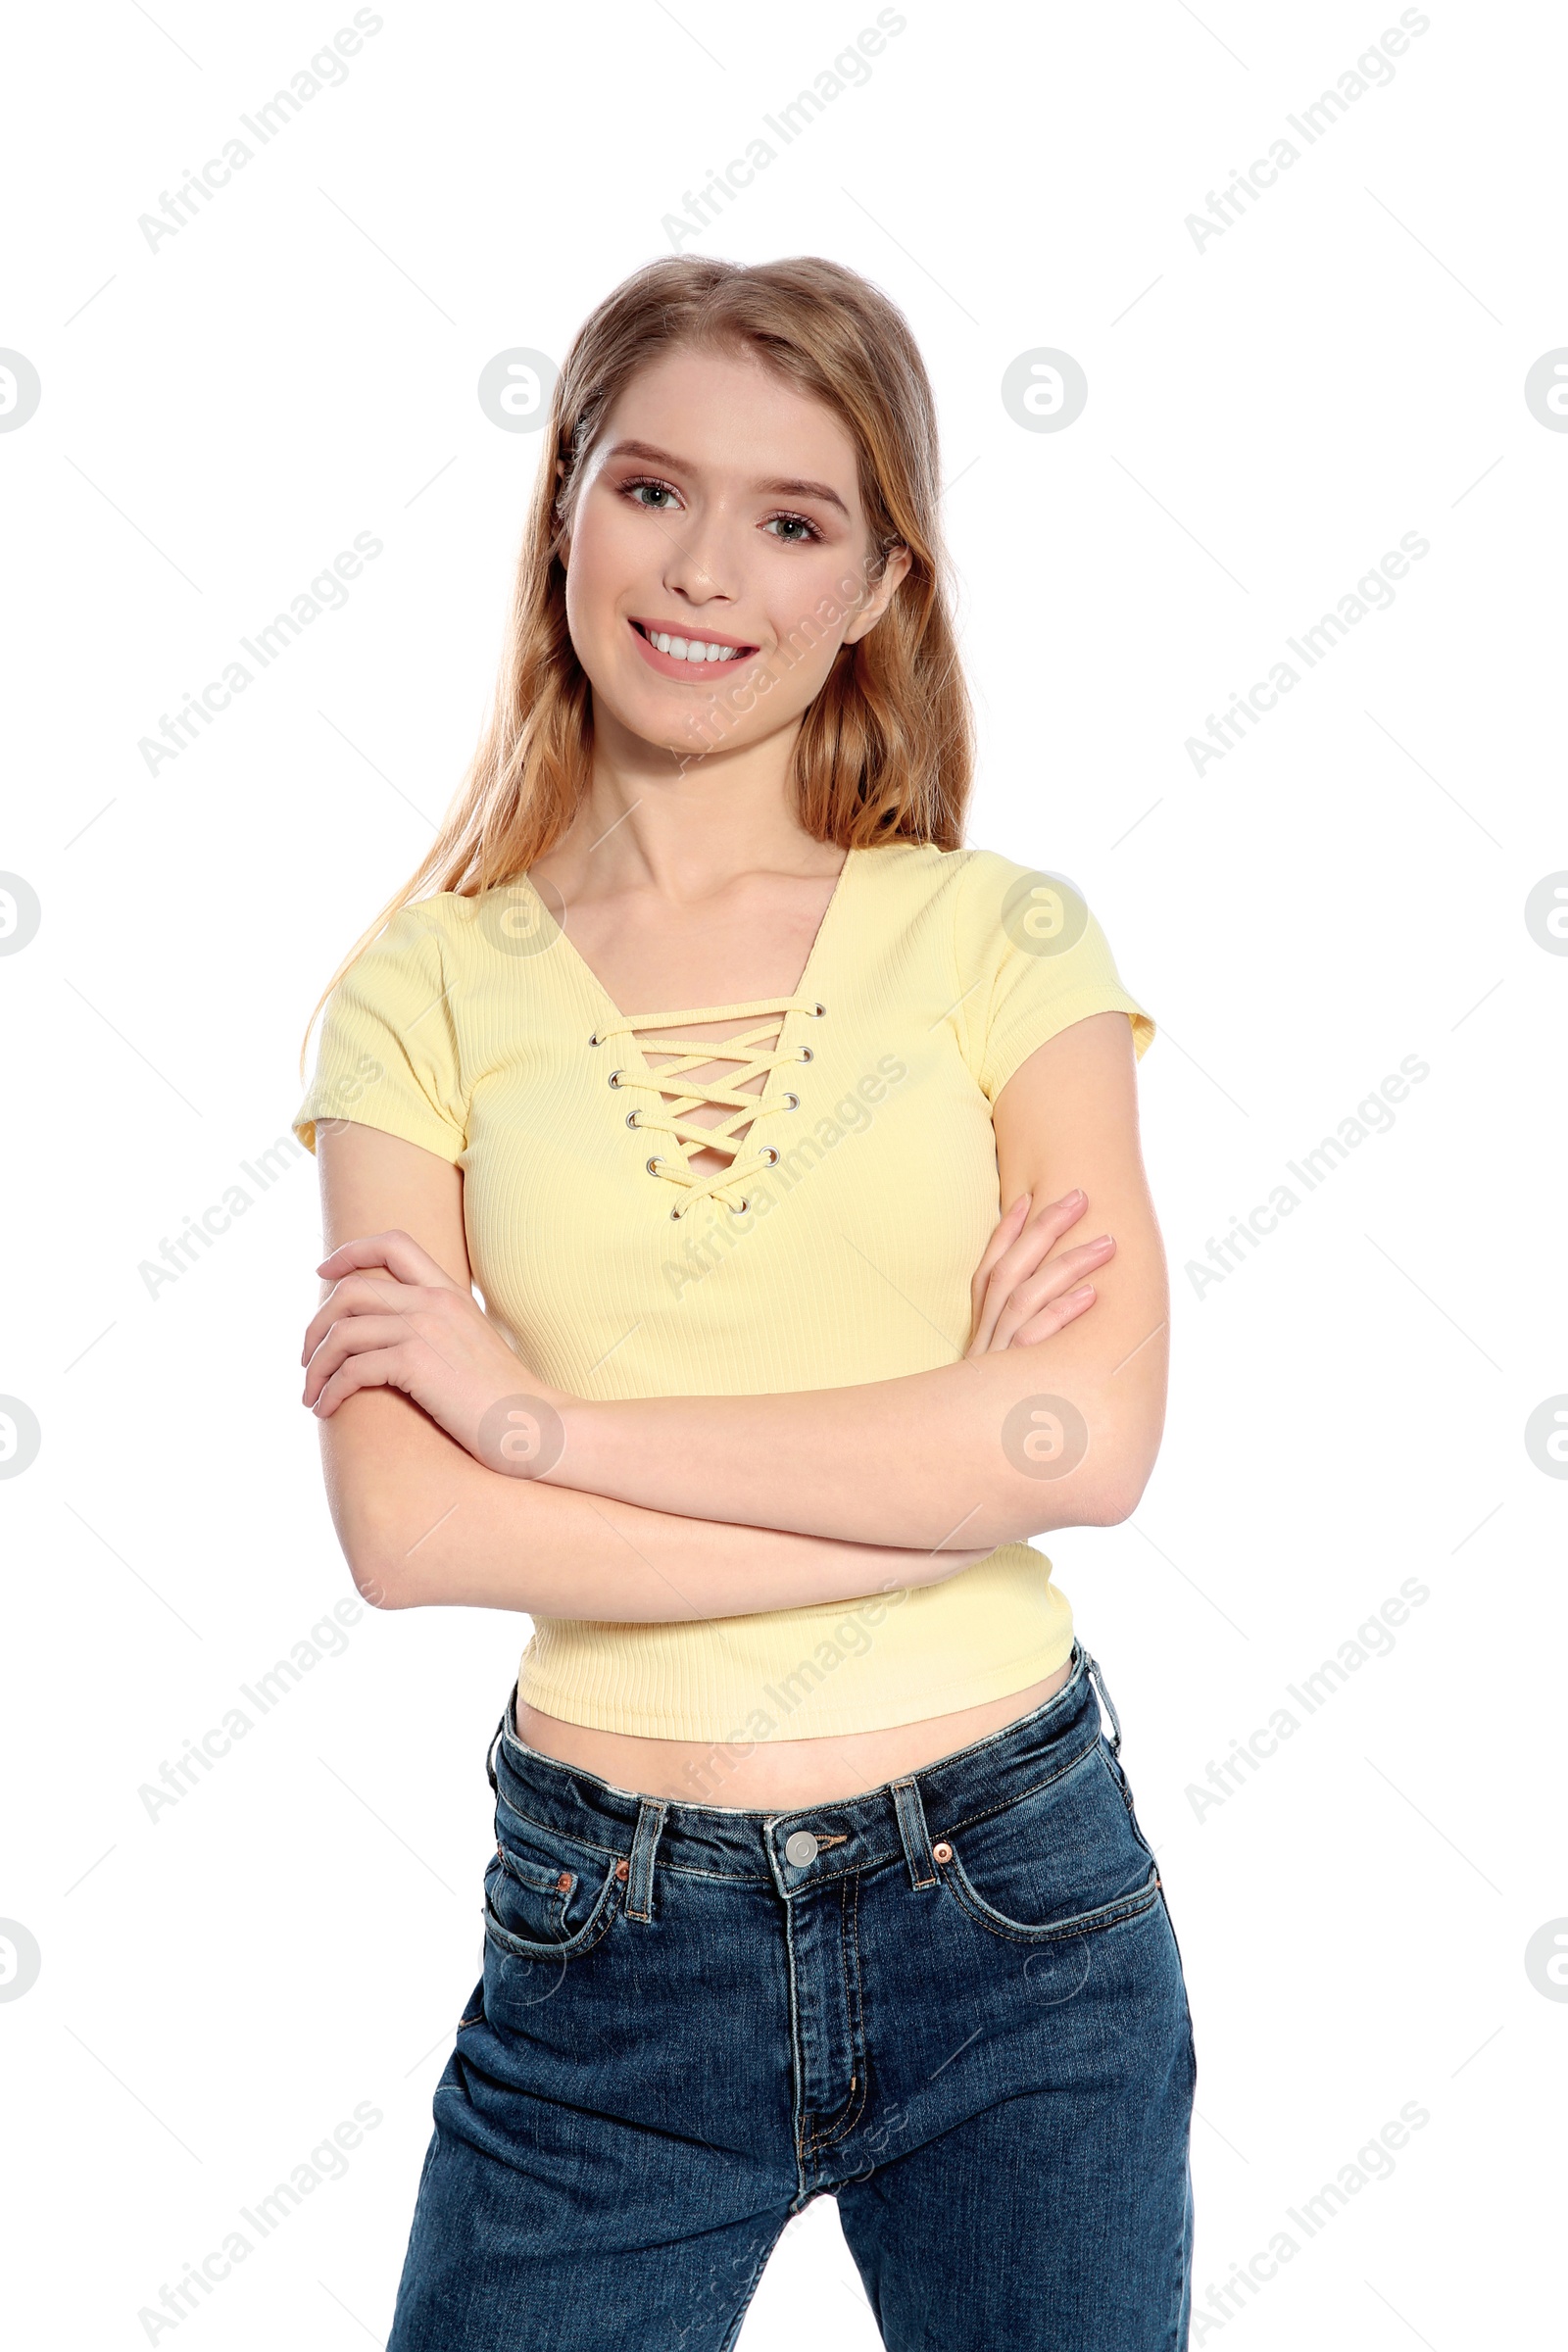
{"x":1020,"y":1293}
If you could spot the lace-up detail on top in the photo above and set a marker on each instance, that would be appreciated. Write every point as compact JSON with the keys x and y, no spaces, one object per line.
{"x":668,"y":1094}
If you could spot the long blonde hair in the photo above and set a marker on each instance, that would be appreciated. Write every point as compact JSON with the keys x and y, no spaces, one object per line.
{"x":886,"y":750}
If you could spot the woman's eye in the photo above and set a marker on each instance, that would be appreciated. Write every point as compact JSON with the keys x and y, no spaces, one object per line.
{"x":795,"y":523}
{"x":660,"y":489}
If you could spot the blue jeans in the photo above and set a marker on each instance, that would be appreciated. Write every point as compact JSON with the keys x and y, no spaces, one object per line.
{"x":955,"y":2004}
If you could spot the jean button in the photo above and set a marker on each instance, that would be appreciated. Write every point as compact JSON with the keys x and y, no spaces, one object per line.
{"x":942,"y":1852}
{"x":800,"y":1848}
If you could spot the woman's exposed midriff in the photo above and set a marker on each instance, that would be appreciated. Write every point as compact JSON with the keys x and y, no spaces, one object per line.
{"x":775,"y":1774}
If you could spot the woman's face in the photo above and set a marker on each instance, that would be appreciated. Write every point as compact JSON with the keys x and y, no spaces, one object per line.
{"x":719,"y":509}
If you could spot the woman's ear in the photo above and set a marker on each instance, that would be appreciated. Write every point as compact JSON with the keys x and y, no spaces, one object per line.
{"x":894,"y":570}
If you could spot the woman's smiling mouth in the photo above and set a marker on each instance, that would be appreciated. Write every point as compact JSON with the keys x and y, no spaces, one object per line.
{"x":680,"y":653}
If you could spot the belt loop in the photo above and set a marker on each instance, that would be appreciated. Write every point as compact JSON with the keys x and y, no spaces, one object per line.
{"x":1099,"y":1681}
{"x":913,"y":1830}
{"x":640,"y":1877}
{"x":490,"y":1753}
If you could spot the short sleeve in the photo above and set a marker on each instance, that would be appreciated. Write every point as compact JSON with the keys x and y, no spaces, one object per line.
{"x":1031,"y":961}
{"x":388,"y":1054}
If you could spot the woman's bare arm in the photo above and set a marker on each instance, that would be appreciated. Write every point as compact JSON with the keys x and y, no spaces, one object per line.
{"x":420,"y":1521}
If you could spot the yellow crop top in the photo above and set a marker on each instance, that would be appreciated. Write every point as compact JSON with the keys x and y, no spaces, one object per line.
{"x":836,"y":1247}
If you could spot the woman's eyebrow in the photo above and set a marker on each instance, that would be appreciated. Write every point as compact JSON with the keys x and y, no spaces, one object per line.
{"x":653,"y":456}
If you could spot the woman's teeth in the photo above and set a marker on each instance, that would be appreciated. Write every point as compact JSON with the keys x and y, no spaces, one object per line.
{"x":691,"y":648}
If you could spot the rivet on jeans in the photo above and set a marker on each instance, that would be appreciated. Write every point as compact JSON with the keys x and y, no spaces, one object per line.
{"x":942,"y":1852}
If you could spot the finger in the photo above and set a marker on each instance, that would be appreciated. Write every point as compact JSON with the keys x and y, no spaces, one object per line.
{"x":1052,"y":1281}
{"x":1022,"y":1258}
{"x":1002,"y":1234}
{"x":357,"y":1335}
{"x":378,"y":1368}
{"x":398,"y":1251}
{"x":366,"y":1294}
{"x":1052,"y":1319}
{"x":1054,"y":1278}
{"x":1005,"y":1231}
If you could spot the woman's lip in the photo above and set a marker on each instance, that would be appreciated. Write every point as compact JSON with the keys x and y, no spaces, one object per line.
{"x":691,"y":673}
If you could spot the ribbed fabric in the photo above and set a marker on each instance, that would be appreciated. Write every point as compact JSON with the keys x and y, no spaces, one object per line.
{"x":467,"y":1027}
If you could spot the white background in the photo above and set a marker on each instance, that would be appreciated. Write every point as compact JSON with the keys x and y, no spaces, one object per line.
{"x":1266,"y":416}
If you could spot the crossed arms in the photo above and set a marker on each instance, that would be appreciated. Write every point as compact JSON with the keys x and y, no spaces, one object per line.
{"x":669,"y":1508}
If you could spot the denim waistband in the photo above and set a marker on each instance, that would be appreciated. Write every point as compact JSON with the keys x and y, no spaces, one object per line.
{"x":905,"y":1815}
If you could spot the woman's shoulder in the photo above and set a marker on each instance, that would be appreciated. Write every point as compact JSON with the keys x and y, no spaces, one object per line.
{"x":978,"y":886}
{"x":456,"y":927}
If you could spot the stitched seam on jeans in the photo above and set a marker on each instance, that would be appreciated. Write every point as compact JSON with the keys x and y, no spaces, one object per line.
{"x":721,"y":1877}
{"x":796,"y":2066}
{"x":1123,"y":1789}
{"x":734,"y":2327}
{"x":1087,"y":1923}
{"x":571,"y":1949}
{"x":759,"y":1877}
{"x":656,"y":1809}
{"x":988,"y":1812}
{"x":551,"y":1828}
{"x":906,"y":1803}
{"x":855,"y":2105}
{"x":1184,"y":2267}
{"x":850,"y":2117}
{"x":878,"y":1861}
{"x":823,"y":1878}
{"x":563,"y":1898}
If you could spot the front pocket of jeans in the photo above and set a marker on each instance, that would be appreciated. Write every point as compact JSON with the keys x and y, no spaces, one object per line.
{"x":545,"y":1897}
{"x":1065,"y":1860}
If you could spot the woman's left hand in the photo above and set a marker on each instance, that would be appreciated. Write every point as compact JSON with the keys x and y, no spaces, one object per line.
{"x":396,"y":1319}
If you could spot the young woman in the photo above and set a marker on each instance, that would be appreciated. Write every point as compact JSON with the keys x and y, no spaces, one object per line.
{"x":710,"y":1057}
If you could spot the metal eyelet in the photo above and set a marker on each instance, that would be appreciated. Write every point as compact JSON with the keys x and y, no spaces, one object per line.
{"x":631,"y":1118}
{"x":792,"y":1102}
{"x":614,"y":1078}
{"x":739,"y":1210}
{"x":596,"y":1038}
{"x":653,"y":1165}
{"x":674,"y":1216}
{"x":816,"y":1012}
{"x":805,"y":1054}
{"x":770,"y":1154}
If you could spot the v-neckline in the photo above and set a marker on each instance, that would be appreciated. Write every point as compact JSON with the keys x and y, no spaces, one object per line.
{"x":705,"y":1012}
